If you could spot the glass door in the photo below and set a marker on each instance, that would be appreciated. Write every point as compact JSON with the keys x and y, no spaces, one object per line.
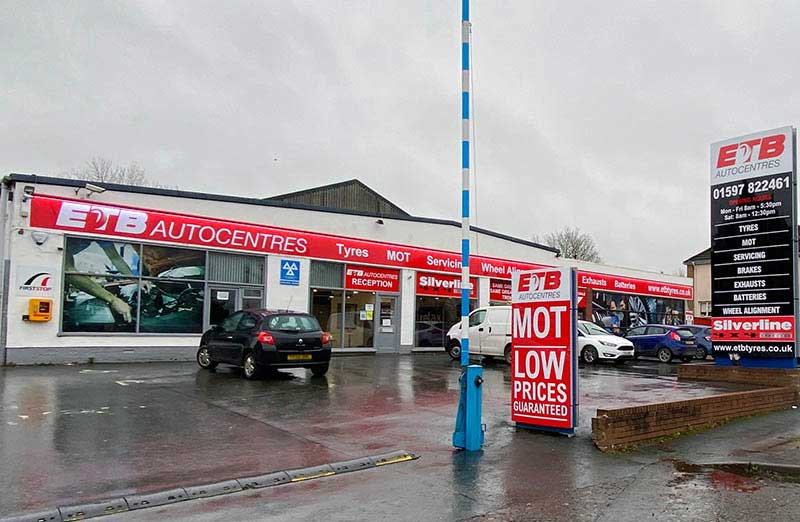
{"x":387,"y":327}
{"x":223,"y":301}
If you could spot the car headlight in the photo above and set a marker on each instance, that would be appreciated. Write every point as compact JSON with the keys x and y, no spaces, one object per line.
{"x":606,"y":343}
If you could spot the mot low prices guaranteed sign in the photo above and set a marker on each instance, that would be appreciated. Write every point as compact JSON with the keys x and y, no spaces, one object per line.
{"x":543,"y":362}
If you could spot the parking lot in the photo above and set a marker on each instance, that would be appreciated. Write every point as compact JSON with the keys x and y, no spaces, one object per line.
{"x":77,"y":433}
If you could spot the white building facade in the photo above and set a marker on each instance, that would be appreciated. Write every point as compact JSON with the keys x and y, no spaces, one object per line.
{"x":137,"y":274}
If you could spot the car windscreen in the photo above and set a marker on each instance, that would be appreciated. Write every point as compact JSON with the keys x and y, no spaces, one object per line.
{"x":292,"y":323}
{"x":684,"y":333}
{"x":593,"y":329}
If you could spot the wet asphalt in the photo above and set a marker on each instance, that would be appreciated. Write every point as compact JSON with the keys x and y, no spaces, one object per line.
{"x":72,"y":434}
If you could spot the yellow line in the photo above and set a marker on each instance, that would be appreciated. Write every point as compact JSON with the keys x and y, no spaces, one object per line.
{"x":396,"y":459}
{"x":318,"y":475}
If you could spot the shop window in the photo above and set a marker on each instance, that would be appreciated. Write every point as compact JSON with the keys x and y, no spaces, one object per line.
{"x":100,"y":303}
{"x":173,"y":263}
{"x":358,"y":321}
{"x":93,"y":256}
{"x":327,"y":307}
{"x":171,"y":306}
{"x":235,"y":268}
{"x":434,"y":317}
{"x":327,"y":275}
{"x":252,"y":298}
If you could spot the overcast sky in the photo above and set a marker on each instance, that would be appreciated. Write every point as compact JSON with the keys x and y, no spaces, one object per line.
{"x":595,"y":114}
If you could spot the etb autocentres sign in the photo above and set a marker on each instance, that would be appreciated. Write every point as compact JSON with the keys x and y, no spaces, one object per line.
{"x":543,"y":360}
{"x":753,"y":248}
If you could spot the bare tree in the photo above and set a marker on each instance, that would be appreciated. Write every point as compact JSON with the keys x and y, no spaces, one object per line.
{"x":572,"y":243}
{"x":103,"y":170}
{"x":680,"y":271}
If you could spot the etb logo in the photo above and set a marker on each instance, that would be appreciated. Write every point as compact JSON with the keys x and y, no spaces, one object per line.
{"x":536,"y":282}
{"x":745,"y":151}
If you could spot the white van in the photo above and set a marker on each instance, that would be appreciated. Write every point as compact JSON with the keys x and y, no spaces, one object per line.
{"x":489,"y":333}
{"x":490,"y":336}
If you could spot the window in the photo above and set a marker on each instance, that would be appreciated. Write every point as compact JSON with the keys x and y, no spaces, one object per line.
{"x":705,"y":308}
{"x":593,"y":329}
{"x":477,"y":317}
{"x":231,"y":323}
{"x":327,"y":275}
{"x":247,"y":323}
{"x":434,"y":317}
{"x":235,"y":268}
{"x":120,"y":287}
{"x":293,"y":323}
{"x":326,"y":307}
{"x":173,"y":263}
{"x":656,"y":330}
{"x":359,"y":320}
{"x":639,"y":330}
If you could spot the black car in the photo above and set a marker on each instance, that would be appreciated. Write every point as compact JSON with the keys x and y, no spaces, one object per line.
{"x":266,"y":339}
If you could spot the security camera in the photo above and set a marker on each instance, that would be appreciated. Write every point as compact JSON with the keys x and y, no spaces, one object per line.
{"x":94,"y":188}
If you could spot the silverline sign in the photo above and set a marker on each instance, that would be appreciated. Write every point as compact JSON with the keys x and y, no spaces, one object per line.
{"x":754,"y":248}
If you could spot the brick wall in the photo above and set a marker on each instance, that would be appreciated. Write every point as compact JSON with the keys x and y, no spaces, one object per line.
{"x":614,"y":429}
{"x":737,"y":374}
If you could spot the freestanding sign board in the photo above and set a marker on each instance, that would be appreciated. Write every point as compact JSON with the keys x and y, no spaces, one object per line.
{"x":544,"y":392}
{"x":754,"y":249}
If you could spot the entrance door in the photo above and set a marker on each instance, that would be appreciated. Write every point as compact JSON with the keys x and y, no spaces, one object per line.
{"x":223,"y":301}
{"x":387,"y":327}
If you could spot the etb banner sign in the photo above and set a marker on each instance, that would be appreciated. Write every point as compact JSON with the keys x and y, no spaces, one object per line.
{"x":544,"y":361}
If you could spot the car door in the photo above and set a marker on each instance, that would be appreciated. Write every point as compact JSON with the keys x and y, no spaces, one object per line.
{"x":220,"y":341}
{"x":637,"y":337}
{"x":476,"y":328}
{"x":495,"y":329}
{"x":652,"y":338}
{"x":242,"y":337}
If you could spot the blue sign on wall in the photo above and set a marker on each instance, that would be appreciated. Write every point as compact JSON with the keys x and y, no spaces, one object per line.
{"x":290,"y":272}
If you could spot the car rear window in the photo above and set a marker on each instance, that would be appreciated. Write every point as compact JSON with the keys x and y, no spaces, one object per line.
{"x":293,"y":323}
{"x":684,"y":333}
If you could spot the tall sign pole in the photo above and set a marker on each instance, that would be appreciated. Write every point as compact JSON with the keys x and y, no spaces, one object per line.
{"x":468,"y":432}
{"x":754,"y":250}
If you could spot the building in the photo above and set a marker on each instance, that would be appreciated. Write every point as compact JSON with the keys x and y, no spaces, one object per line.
{"x":133,"y":273}
{"x":698,"y":267}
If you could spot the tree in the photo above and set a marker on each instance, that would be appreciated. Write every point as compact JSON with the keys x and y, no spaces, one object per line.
{"x":572,"y":243}
{"x":102,"y":170}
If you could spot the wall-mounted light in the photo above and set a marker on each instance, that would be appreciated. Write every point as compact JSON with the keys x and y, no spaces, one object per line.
{"x":90,"y":189}
{"x":40,"y":237}
{"x":379,"y":222}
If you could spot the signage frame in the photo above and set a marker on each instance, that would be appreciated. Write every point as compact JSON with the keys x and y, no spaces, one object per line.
{"x":528,"y":296}
{"x":749,"y":194}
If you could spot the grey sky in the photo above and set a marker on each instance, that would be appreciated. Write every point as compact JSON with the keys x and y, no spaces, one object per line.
{"x":595,"y":114}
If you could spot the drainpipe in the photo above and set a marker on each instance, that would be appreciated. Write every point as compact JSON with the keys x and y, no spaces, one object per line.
{"x":5,"y":264}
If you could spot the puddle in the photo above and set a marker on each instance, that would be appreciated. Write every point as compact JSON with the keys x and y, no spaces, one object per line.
{"x":738,"y":477}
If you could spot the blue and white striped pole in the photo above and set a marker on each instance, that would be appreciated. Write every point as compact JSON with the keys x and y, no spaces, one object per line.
{"x":465,"y":282}
{"x":468,"y":433}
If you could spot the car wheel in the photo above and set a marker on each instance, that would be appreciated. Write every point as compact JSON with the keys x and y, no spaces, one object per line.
{"x":454,"y":351}
{"x":589,"y":355}
{"x":507,"y":355}
{"x":250,"y":367}
{"x":204,"y":359}
{"x":664,"y":354}
{"x":320,"y":371}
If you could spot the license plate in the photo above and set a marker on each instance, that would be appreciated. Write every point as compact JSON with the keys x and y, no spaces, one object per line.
{"x":299,"y":357}
{"x":689,"y":342}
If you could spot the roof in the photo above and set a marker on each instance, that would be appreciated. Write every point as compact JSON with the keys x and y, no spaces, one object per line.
{"x":76,"y":183}
{"x":700,"y":258}
{"x":346,"y":195}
